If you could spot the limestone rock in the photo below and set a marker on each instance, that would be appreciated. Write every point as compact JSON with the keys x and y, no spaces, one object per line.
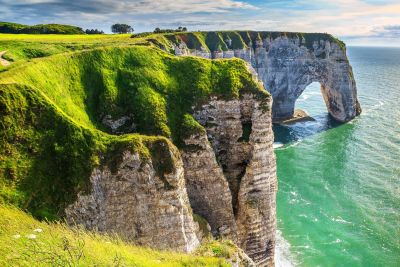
{"x":207,"y":187}
{"x":242,"y":140}
{"x":123,"y":124}
{"x":135,"y":203}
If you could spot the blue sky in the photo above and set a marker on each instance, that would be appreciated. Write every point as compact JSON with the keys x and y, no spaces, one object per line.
{"x":358,"y":22}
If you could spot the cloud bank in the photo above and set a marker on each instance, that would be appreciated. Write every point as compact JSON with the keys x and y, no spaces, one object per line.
{"x":356,"y":21}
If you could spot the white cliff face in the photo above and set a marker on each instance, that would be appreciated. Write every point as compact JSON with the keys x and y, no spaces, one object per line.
{"x":135,"y":203}
{"x":207,"y":186}
{"x":241,"y":137}
{"x":286,"y":67}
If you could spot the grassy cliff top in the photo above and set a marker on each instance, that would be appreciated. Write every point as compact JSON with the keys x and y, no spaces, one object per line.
{"x":224,"y":40}
{"x":51,"y":112}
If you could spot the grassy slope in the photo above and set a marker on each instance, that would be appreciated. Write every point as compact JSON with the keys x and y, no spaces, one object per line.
{"x":22,"y":47}
{"x":50,"y":131}
{"x":59,"y":245}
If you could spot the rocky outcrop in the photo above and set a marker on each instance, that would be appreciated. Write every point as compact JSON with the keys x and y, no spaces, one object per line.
{"x":207,"y":187}
{"x":3,"y":62}
{"x":139,"y":205}
{"x":288,"y":64}
{"x":241,"y":138}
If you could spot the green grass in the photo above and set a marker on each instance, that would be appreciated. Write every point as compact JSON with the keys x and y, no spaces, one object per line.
{"x":23,"y":47}
{"x":61,"y":245}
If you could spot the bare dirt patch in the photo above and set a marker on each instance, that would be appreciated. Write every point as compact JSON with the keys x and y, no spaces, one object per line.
{"x":3,"y":62}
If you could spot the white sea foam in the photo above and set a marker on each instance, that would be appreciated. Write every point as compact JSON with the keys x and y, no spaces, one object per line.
{"x":277,"y":145}
{"x":283,"y":257}
{"x":340,"y":220}
{"x":293,"y":144}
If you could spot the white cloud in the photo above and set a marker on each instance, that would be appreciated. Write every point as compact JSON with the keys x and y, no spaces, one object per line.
{"x":343,"y":18}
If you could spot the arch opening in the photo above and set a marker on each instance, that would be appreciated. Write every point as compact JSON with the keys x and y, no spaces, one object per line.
{"x":311,"y":101}
{"x":310,"y":116}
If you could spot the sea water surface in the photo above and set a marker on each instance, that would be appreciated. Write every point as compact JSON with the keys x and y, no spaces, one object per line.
{"x":338,"y":201}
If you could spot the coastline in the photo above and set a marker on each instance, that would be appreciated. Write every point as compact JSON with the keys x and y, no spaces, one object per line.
{"x":283,"y":256}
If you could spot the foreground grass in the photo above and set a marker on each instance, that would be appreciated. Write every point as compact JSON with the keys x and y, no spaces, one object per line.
{"x":25,"y":241}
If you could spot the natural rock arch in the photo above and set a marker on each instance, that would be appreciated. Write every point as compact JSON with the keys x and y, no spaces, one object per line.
{"x":287,"y":69}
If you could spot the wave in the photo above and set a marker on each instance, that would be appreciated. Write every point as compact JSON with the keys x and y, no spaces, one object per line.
{"x":277,"y":145}
{"x":283,"y":257}
{"x":292,"y":144}
{"x":373,"y":108}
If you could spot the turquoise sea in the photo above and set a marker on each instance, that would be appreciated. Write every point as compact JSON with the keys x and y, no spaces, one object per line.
{"x":339,"y":185}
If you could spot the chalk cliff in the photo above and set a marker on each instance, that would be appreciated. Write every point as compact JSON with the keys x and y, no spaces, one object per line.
{"x":141,"y":205}
{"x":237,"y":196}
{"x":286,"y":63}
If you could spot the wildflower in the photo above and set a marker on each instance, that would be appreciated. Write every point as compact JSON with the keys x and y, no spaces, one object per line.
{"x":31,"y":236}
{"x":38,"y":230}
{"x":16,"y":236}
{"x":108,"y":242}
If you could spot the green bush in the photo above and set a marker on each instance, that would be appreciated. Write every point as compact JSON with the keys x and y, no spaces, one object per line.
{"x":9,"y":27}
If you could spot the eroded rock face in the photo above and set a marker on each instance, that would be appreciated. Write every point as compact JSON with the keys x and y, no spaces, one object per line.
{"x":225,"y":174}
{"x":241,"y":138}
{"x":136,"y":204}
{"x":286,"y":67}
{"x":207,"y":186}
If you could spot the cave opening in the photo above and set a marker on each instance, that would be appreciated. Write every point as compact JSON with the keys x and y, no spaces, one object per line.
{"x":246,"y":131}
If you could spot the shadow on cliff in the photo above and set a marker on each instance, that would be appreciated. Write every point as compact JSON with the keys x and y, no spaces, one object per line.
{"x":298,"y":131}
